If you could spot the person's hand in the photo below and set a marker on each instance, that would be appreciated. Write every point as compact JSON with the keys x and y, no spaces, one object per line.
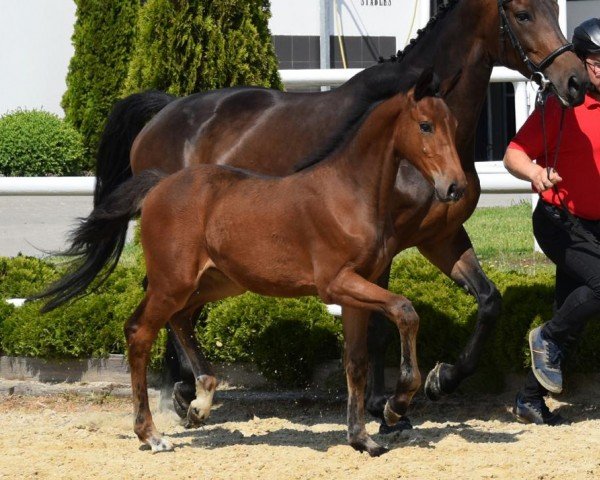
{"x":541,"y":181}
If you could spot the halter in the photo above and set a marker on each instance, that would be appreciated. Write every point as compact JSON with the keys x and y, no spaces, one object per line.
{"x":536,"y":70}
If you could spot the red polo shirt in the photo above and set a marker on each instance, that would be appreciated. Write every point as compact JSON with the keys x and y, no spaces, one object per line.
{"x":579,"y":153}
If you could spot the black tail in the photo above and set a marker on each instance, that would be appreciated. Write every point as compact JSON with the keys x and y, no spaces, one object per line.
{"x":98,"y":241}
{"x":124,"y":123}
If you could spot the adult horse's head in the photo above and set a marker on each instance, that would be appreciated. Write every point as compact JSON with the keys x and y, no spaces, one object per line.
{"x":532,"y":43}
{"x":425,"y":134}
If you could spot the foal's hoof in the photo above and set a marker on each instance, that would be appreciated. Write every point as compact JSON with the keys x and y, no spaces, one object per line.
{"x":369,"y":446}
{"x":403,"y":424}
{"x":158,"y":444}
{"x":183,"y":394}
{"x":196,"y":417}
{"x":433,"y":384}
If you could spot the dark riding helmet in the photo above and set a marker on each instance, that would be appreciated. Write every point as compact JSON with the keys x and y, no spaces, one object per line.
{"x":586,"y":37}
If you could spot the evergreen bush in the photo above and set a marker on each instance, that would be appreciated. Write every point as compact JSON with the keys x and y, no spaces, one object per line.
{"x":38,"y":143}
{"x":286,"y":338}
{"x":103,"y":38}
{"x":188,"y":46}
{"x":90,"y":327}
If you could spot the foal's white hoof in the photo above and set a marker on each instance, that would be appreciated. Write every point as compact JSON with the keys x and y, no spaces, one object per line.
{"x":160,"y":445}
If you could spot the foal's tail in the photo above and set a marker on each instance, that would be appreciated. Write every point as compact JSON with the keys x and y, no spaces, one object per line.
{"x":124,"y":123}
{"x":97,"y":243}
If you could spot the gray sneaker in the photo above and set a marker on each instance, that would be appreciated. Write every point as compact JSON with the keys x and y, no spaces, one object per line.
{"x":546,"y":358}
{"x":536,"y":412}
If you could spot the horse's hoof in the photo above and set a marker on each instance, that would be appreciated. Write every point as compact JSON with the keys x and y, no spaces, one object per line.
{"x":403,"y":424}
{"x":375,"y":407}
{"x":183,"y":395}
{"x":433,"y":384}
{"x":158,"y":444}
{"x":390,"y":417}
{"x":377,"y":451}
{"x":369,"y":446}
{"x":196,"y":417}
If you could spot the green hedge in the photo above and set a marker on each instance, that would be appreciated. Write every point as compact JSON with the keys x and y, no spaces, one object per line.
{"x":286,"y":338}
{"x":38,"y":143}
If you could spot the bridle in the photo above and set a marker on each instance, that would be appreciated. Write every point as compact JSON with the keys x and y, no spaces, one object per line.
{"x":536,"y":70}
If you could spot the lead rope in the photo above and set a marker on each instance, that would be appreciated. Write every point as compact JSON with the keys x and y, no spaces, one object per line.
{"x":577,"y":228}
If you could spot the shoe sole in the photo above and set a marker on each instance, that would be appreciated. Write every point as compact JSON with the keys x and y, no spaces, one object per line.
{"x":548,"y":386}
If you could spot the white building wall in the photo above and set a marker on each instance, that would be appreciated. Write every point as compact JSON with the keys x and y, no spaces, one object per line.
{"x":392,"y":18}
{"x":35,"y":49}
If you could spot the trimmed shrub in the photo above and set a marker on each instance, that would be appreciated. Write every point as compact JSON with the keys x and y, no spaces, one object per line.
{"x":92,"y":326}
{"x":21,"y":276}
{"x":187,"y":46}
{"x":285,"y":338}
{"x":38,"y":143}
{"x":103,"y":39}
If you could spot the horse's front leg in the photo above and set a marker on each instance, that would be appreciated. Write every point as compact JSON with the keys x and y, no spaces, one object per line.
{"x":354,"y":292}
{"x":457,"y":259}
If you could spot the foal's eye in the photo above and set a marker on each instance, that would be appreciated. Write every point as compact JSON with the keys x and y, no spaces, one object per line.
{"x":426,"y":127}
{"x":523,"y":17}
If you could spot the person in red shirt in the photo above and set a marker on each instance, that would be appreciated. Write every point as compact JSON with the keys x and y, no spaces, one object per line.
{"x":566,"y":222}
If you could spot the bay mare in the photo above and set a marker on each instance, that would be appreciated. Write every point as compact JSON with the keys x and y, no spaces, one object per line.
{"x":270,"y":131}
{"x":213,"y":231}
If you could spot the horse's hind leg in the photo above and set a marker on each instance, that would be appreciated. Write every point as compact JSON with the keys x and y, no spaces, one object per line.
{"x":179,"y":384}
{"x":353,"y":291}
{"x":182,"y":325}
{"x":457,"y":259}
{"x":140,"y":332}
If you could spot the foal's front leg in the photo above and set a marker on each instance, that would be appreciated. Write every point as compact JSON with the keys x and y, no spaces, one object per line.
{"x":354,"y":292}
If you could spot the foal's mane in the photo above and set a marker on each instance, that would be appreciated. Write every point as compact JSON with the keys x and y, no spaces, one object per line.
{"x":365,"y":103}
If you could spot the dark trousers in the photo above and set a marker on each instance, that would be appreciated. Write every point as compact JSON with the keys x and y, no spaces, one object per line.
{"x":577,"y":294}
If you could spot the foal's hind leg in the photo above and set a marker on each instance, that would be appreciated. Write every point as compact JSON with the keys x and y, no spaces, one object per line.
{"x":141,"y":331}
{"x":351,"y":290}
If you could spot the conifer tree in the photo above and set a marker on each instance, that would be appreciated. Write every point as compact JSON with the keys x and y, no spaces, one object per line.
{"x":103,"y":39}
{"x":188,"y":46}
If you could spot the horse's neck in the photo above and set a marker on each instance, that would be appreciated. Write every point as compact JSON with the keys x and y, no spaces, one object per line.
{"x":465,"y":38}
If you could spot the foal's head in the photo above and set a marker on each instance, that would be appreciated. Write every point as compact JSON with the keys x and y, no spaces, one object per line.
{"x":425,"y":135}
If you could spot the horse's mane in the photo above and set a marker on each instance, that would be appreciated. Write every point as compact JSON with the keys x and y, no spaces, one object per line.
{"x":443,"y":10}
{"x":364,"y":105}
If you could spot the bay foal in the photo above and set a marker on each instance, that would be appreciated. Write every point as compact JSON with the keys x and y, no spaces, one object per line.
{"x":210,"y":232}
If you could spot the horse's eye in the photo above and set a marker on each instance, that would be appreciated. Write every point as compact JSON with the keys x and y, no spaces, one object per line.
{"x":523,"y":17}
{"x":426,"y":127}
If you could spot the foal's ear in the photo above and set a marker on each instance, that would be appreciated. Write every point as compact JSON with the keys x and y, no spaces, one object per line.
{"x":448,"y":85}
{"x":427,"y":85}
